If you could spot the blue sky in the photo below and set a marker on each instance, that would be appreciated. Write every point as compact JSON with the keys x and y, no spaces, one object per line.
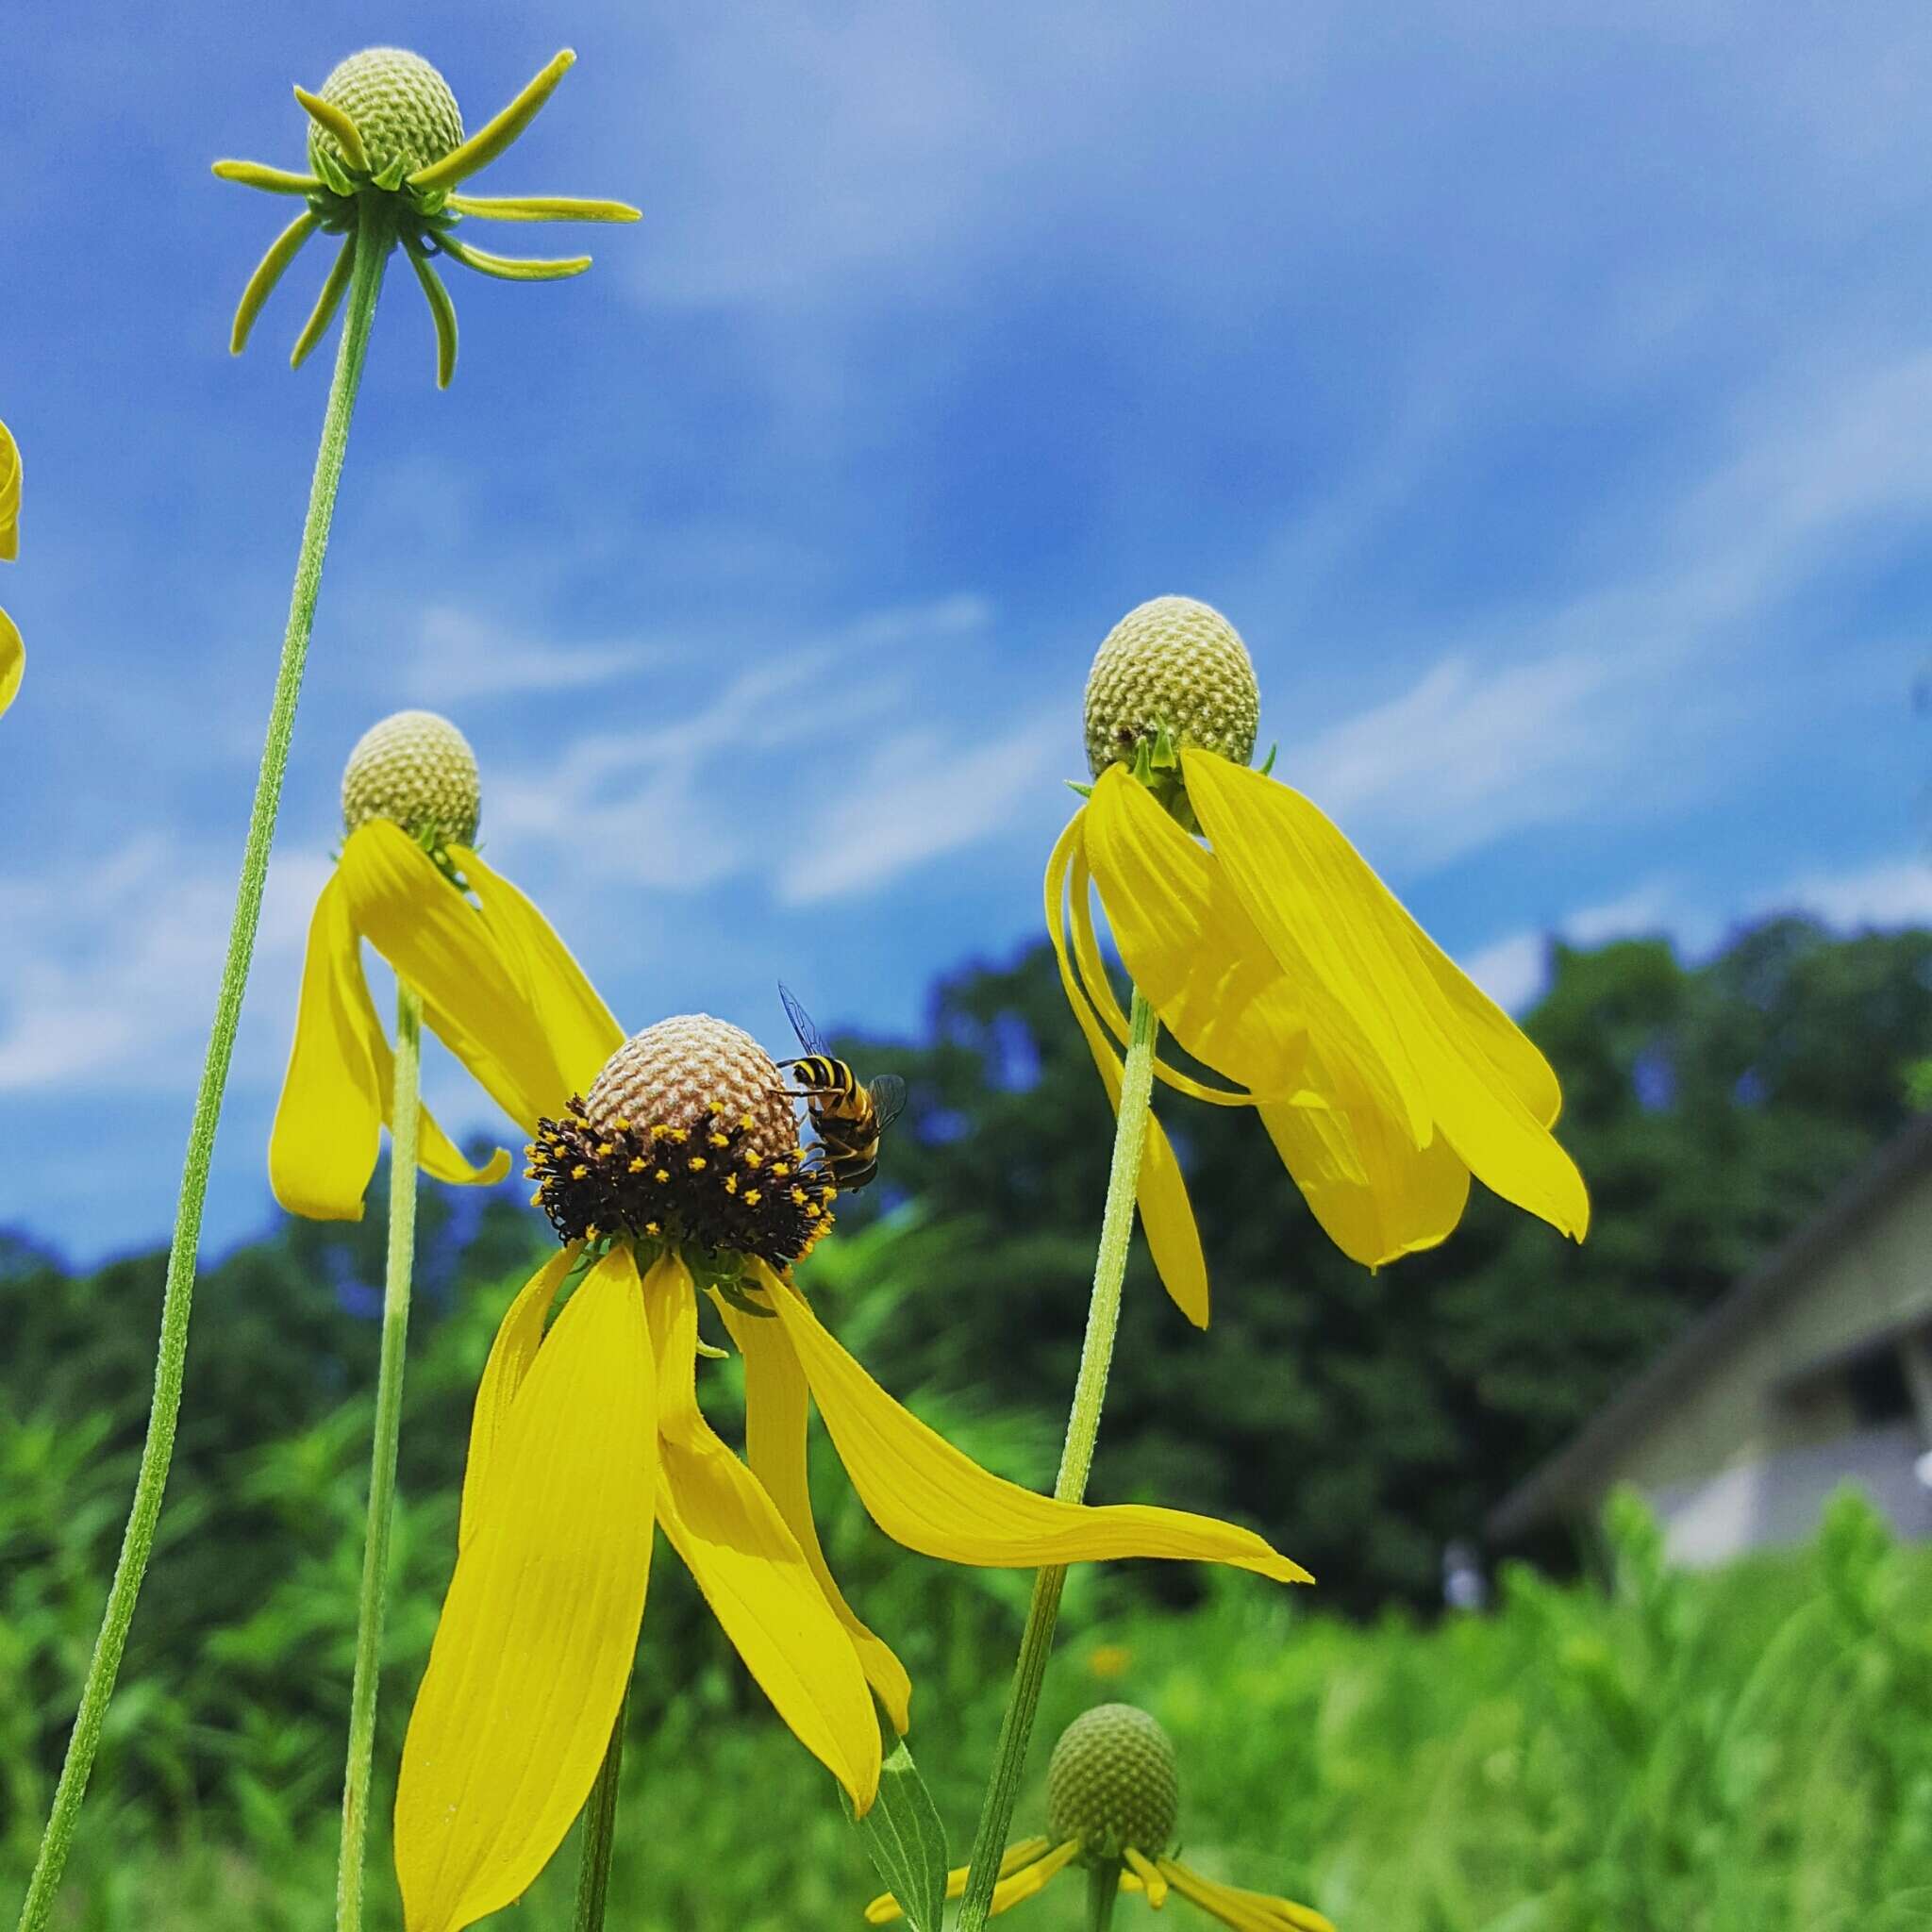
{"x":1545,"y":392}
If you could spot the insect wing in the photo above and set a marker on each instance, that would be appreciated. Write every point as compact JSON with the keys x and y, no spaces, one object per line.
{"x":801,"y":1023}
{"x":888,"y":1100}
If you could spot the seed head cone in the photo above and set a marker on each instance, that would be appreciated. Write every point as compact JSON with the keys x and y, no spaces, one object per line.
{"x":1112,"y":1783}
{"x":1173,"y":661}
{"x":416,"y":769}
{"x":401,"y":106}
{"x":675,"y":1071}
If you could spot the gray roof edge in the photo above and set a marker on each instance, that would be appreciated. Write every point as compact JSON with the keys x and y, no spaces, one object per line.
{"x":1544,"y":1490}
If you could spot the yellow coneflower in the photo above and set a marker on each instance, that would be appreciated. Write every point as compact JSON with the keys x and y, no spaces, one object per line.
{"x":678,"y":1178}
{"x":12,"y":652}
{"x":1277,"y":957}
{"x":500,"y":989}
{"x":1113,"y":1806}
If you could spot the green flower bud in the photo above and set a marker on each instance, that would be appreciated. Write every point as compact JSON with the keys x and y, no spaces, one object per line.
{"x":1111,"y":1783}
{"x":417,"y":769}
{"x":1176,"y":666}
{"x":401,"y":106}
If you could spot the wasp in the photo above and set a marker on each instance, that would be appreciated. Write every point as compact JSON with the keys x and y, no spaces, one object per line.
{"x":848,"y":1118}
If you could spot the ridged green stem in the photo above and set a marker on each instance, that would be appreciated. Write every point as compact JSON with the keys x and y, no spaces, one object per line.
{"x":406,"y":1113}
{"x":600,"y":1832}
{"x":372,"y":249}
{"x":1102,"y":1894}
{"x":1077,"y":1459}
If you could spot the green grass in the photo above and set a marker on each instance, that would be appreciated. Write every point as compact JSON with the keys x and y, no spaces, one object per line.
{"x":1744,"y":1752}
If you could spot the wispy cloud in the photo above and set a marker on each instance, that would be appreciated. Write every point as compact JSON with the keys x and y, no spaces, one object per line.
{"x":462,"y":657}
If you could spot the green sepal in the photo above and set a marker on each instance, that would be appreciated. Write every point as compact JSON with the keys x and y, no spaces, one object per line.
{"x":334,"y":173}
{"x":1267,"y":765}
{"x":508,"y":268}
{"x":270,"y":181}
{"x":906,"y":1841}
{"x":495,"y":134}
{"x":326,"y":303}
{"x":391,"y":176}
{"x":329,"y":117}
{"x":1075,"y":785}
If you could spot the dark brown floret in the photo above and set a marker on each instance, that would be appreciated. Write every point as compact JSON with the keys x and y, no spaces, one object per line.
{"x":706,"y":1186}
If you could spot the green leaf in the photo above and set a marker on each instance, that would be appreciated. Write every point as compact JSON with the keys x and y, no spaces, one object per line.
{"x":906,"y":1841}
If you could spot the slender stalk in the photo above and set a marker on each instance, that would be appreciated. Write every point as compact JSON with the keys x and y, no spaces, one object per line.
{"x":1077,"y":1459}
{"x":371,"y":250}
{"x":600,"y":1832}
{"x":405,"y":1114}
{"x":1102,"y":1894}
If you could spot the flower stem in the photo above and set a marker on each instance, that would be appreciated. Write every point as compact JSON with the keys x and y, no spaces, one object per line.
{"x":372,"y":249}
{"x":600,"y":1832}
{"x":406,"y":1114}
{"x":1103,"y":1892}
{"x":1077,"y":1459}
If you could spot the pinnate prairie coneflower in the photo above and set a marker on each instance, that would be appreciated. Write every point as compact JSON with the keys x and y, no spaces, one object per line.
{"x":476,"y":959}
{"x":499,"y":988}
{"x":12,"y":652}
{"x":1113,"y":1806}
{"x":387,"y":151}
{"x":678,"y":1180}
{"x":1266,"y":945}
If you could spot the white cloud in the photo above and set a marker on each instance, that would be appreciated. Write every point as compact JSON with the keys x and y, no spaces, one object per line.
{"x":461,"y":655}
{"x":1885,"y":894}
{"x":110,"y":978}
{"x":917,"y":799}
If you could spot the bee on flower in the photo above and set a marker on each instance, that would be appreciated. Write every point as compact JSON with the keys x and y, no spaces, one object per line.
{"x":501,"y":990}
{"x":677,"y":1183}
{"x":12,"y":652}
{"x":1114,"y":1809}
{"x":1270,"y":951}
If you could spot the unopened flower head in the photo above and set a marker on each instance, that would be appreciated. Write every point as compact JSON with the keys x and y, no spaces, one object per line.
{"x":1112,"y":1783}
{"x":416,"y":770}
{"x":1113,"y":1806}
{"x":1172,"y":667}
{"x":402,"y":110}
{"x":387,"y":154}
{"x":687,"y":1137}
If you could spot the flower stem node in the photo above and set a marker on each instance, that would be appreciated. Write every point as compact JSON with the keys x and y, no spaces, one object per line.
{"x":1173,"y":674}
{"x":1112,"y":1783}
{"x":417,"y":769}
{"x":688,"y":1137}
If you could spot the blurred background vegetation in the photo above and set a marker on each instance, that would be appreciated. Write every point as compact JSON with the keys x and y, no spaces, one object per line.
{"x":1611,"y":1745}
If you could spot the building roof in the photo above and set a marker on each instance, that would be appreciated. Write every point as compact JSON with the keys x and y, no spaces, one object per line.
{"x":1595,"y":1449}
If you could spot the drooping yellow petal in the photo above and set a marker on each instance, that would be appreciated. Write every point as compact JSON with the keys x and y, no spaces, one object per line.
{"x":1092,"y":978}
{"x":885,"y":1908}
{"x":539,"y":1627}
{"x":1242,"y":1911}
{"x":1376,"y":1194}
{"x":1328,"y":918}
{"x":777,"y":1402}
{"x":1029,"y":1881}
{"x":582,"y":1031}
{"x":328,"y":1123}
{"x":1188,"y":946}
{"x":923,"y":1492}
{"x":748,"y":1564}
{"x":518,"y":1336}
{"x":473,"y":997}
{"x":1167,"y":1216}
{"x":9,"y":495}
{"x":340,"y":1082}
{"x":1151,"y":1881}
{"x":13,"y":660}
